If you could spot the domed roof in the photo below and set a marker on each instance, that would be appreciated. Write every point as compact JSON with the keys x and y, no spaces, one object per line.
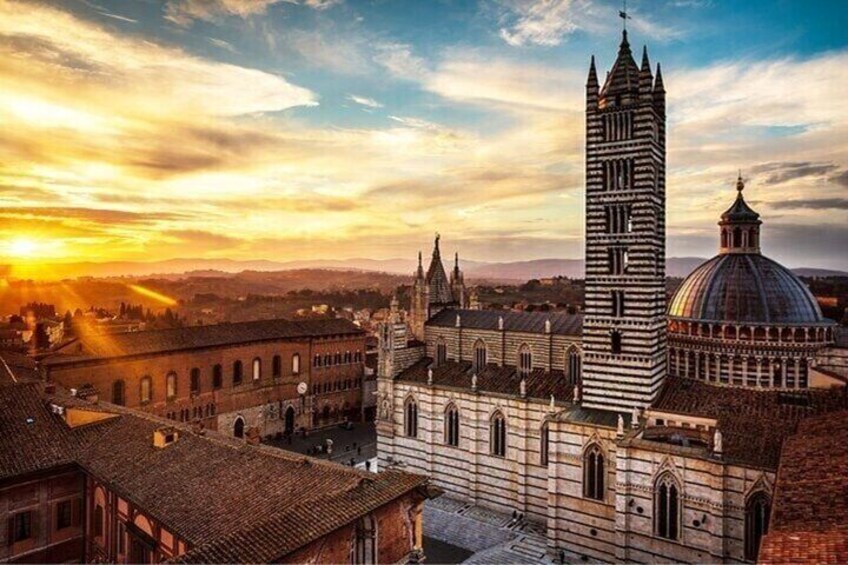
{"x":745,"y":287}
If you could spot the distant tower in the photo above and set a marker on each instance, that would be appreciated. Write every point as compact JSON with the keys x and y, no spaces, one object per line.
{"x":457,"y":284}
{"x":433,"y":292}
{"x":419,"y":300}
{"x":624,"y":325}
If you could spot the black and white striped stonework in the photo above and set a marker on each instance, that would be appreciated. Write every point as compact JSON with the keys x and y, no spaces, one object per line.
{"x":624,"y":326}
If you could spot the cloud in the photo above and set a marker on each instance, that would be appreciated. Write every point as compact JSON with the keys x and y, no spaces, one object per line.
{"x":539,"y":23}
{"x":812,"y":204}
{"x":841,"y":178}
{"x":782,"y":172}
{"x":364,"y":101}
{"x":226,"y":45}
{"x":548,"y":23}
{"x":184,"y":12}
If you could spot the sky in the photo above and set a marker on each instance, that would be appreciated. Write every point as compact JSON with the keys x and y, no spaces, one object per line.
{"x":297,"y":129}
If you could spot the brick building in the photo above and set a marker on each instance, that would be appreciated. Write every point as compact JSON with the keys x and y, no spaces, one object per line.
{"x":275,"y":376}
{"x":93,"y":482}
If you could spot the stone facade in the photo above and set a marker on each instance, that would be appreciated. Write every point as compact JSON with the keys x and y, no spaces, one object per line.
{"x":624,"y":324}
{"x":575,"y":423}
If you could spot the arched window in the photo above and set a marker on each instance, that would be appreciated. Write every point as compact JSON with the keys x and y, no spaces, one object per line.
{"x":757,"y":511}
{"x":296,"y":364}
{"x":497,"y":435}
{"x":118,"y":396}
{"x":257,"y":368}
{"x":410,"y":421}
{"x":97,"y":520}
{"x":573,"y":364}
{"x":480,"y":355}
{"x":667,"y":507}
{"x":217,"y":377}
{"x":171,"y":386}
{"x":525,"y":359}
{"x":195,"y":380}
{"x":544,"y":444}
{"x":238,"y":373}
{"x":441,"y":352}
{"x":593,"y":472}
{"x":276,"y":366}
{"x":452,"y":425}
{"x":364,"y":549}
{"x":146,"y":389}
{"x":615,"y":341}
{"x":238,"y":427}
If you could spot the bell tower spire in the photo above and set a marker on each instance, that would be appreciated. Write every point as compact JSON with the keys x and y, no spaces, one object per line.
{"x":624,"y":320}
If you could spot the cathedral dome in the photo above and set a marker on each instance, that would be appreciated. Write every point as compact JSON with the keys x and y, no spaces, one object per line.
{"x":745,"y":288}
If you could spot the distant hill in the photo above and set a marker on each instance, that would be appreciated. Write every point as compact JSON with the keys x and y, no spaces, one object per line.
{"x":506,"y":271}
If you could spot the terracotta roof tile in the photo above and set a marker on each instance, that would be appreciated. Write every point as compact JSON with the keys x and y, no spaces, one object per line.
{"x":809,"y":521}
{"x":159,"y":341}
{"x":753,"y":423}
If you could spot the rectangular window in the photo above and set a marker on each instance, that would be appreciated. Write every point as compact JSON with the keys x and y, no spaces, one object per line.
{"x":617,"y":298}
{"x":618,"y":260}
{"x":64,"y":515}
{"x":22,"y":526}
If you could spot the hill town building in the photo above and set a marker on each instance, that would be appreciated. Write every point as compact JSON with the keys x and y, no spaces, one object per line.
{"x":83,"y":481}
{"x":633,"y":432}
{"x":274,"y":376}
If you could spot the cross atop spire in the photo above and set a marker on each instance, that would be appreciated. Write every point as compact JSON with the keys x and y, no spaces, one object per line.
{"x":624,"y":17}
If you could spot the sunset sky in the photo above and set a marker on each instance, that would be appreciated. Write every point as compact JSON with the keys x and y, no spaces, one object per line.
{"x":297,"y":129}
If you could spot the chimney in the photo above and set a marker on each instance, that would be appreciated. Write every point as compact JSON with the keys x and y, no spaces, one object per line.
{"x":253,"y":436}
{"x":163,"y":437}
{"x":197,"y":427}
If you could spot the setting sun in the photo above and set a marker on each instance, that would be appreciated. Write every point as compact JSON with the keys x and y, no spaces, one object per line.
{"x":21,"y":247}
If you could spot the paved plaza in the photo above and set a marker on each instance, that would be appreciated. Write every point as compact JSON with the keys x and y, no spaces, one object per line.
{"x":358,"y":443}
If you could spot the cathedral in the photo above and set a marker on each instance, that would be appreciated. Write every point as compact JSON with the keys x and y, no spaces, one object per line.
{"x":636,"y":431}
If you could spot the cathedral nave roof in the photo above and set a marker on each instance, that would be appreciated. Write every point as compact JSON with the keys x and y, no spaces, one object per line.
{"x":562,"y":323}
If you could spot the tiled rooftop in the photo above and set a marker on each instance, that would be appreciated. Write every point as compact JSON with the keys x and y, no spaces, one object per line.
{"x":753,"y":423}
{"x":195,"y":337}
{"x":810,"y":517}
{"x":229,"y":500}
{"x":562,"y":323}
{"x":492,"y":378}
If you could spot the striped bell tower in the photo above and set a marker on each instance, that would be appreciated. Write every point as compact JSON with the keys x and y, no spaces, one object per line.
{"x":624,"y":324}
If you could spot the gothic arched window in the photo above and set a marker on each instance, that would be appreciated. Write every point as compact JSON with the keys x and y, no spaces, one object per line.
{"x":238,"y":427}
{"x":296,"y":364}
{"x":757,"y":510}
{"x":364,"y":550}
{"x":410,"y":421}
{"x":593,"y":472}
{"x":452,"y":425}
{"x":497,"y":435}
{"x":544,"y":444}
{"x":276,"y":366}
{"x":480,"y":355}
{"x":257,"y":369}
{"x":525,"y":359}
{"x":146,"y":389}
{"x":667,"y":507}
{"x":573,"y":365}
